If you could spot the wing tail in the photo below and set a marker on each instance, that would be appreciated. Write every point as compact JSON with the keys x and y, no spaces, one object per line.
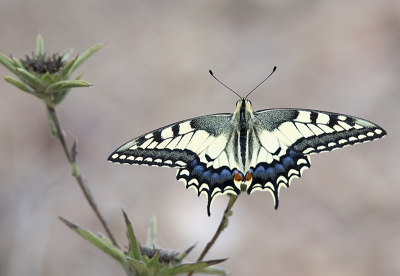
{"x":208,"y":180}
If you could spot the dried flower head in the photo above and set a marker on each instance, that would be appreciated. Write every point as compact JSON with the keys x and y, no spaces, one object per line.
{"x":40,"y":65}
{"x":164,"y":256}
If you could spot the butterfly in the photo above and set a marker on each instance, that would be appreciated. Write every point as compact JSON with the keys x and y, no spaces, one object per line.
{"x":247,"y":150}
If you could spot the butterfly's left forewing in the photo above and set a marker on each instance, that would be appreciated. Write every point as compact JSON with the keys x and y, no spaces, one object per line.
{"x":175,"y":145}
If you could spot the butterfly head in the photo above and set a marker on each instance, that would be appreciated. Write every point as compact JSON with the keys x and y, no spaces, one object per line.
{"x":244,"y":102}
{"x":243,"y":111}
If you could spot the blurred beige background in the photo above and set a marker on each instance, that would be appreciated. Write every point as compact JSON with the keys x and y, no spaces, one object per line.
{"x":341,"y":218}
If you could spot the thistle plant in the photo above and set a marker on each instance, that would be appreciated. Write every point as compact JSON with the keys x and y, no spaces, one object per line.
{"x":47,"y":77}
{"x":148,"y":260}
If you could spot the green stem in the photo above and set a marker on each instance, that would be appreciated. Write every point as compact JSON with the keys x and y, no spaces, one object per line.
{"x":71,"y":156}
{"x":222,"y":225}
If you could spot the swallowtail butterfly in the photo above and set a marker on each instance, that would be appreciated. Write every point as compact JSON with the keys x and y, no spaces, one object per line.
{"x":246,"y":150}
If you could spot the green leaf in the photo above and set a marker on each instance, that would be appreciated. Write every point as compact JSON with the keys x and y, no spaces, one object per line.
{"x":17,"y":63}
{"x":65,"y":55}
{"x":68,"y":84}
{"x":7,"y":63}
{"x":213,"y":270}
{"x":39,"y":46}
{"x":134,"y":247}
{"x":19,"y":85}
{"x":58,"y":97}
{"x":183,"y":268}
{"x":183,"y":254}
{"x":67,"y":68}
{"x":153,"y":265}
{"x":151,"y":232}
{"x":56,"y":77}
{"x":31,"y":79}
{"x":47,"y":79}
{"x":79,"y":77}
{"x":83,"y":57}
{"x":139,"y":266}
{"x":100,"y":242}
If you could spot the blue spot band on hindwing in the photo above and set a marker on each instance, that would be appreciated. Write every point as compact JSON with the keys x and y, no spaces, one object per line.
{"x":271,"y":176}
{"x":216,"y":181}
{"x":264,"y":176}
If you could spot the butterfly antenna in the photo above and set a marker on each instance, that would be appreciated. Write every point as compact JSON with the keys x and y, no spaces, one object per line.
{"x":273,"y":70}
{"x":211,"y":73}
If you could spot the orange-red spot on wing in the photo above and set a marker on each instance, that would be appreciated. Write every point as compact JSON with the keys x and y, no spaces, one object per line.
{"x":237,"y":176}
{"x":249,"y":176}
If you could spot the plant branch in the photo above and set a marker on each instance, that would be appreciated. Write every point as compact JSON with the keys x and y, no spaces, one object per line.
{"x":71,"y":156}
{"x":222,"y":225}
